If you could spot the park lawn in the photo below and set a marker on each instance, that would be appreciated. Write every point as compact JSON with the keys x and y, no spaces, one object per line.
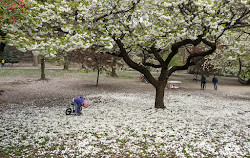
{"x":55,"y":72}
{"x":127,"y":125}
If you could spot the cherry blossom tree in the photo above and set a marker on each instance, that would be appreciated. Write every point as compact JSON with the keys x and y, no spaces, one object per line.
{"x":44,"y":32}
{"x":140,"y":31}
{"x":235,"y":58}
{"x":10,"y":10}
{"x":156,"y":28}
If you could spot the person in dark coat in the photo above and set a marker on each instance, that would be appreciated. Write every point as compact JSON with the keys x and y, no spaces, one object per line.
{"x":203,"y":82}
{"x":215,"y":82}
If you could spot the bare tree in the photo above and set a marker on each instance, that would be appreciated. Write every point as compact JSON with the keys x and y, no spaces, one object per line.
{"x":89,"y":59}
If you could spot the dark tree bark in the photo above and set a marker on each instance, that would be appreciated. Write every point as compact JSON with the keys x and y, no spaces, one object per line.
{"x":66,"y":63}
{"x":2,"y":45}
{"x":159,"y":98}
{"x":113,"y":72}
{"x":35,"y":62}
{"x":113,"y":68}
{"x":98,"y":74}
{"x":43,"y":69}
{"x":242,"y":81}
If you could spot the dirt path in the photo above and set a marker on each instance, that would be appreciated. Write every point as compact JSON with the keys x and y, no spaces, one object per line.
{"x":17,"y":90}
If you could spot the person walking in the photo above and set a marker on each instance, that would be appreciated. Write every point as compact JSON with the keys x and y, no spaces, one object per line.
{"x":203,"y":82}
{"x":215,"y":82}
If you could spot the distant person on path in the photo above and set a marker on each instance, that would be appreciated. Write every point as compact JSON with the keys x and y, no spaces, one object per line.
{"x":195,"y":78}
{"x":215,"y":82}
{"x":3,"y":62}
{"x":203,"y":82}
{"x":78,"y":102}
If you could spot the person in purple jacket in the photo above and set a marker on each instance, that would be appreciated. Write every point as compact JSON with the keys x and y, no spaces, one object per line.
{"x":78,"y":102}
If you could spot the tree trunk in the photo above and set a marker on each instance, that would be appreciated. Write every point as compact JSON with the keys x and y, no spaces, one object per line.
{"x":35,"y":62}
{"x":2,"y":45}
{"x":113,"y":73}
{"x":242,"y":81}
{"x":43,"y":69}
{"x":159,"y":98}
{"x":66,"y":63}
{"x":98,"y":74}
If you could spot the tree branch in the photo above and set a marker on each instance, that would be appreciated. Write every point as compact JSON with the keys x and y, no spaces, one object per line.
{"x":178,"y":45}
{"x":133,"y":64}
{"x":191,"y":56}
{"x":117,"y":12}
{"x":152,"y":65}
{"x":157,"y":55}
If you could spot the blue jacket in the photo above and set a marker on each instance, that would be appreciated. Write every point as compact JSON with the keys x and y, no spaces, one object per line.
{"x":79,"y":102}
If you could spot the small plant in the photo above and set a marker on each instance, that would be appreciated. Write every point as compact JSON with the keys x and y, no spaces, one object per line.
{"x":24,"y":137}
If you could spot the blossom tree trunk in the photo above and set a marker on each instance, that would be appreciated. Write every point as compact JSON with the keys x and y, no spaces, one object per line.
{"x":66,"y":63}
{"x":242,"y":81}
{"x":159,"y":97}
{"x":2,"y":44}
{"x":98,"y":74}
{"x":35,"y":62}
{"x":113,"y":72}
{"x":43,"y":68}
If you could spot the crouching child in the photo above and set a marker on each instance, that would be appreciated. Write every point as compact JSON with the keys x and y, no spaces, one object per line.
{"x":78,"y":102}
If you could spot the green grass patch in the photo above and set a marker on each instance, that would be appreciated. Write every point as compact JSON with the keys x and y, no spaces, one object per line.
{"x":128,"y":74}
{"x":13,"y":72}
{"x":24,"y":137}
{"x":50,"y":73}
{"x":36,"y":73}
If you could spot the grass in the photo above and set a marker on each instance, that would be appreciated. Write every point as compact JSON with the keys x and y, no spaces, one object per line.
{"x":50,"y":73}
{"x":128,"y":74}
{"x":12,"y":72}
{"x":36,"y":73}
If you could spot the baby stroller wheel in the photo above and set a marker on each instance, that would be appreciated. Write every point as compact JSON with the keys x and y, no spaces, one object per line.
{"x":68,"y":111}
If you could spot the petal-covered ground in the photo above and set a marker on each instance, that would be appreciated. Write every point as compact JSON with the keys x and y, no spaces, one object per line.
{"x":126,"y":124}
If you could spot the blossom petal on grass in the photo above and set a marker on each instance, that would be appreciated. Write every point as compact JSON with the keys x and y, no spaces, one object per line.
{"x":124,"y":124}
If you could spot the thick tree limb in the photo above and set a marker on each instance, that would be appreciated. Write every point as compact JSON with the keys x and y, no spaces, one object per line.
{"x":156,"y":52}
{"x":191,"y":56}
{"x":152,"y":65}
{"x":133,"y":64}
{"x":242,"y":81}
{"x":178,"y":45}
